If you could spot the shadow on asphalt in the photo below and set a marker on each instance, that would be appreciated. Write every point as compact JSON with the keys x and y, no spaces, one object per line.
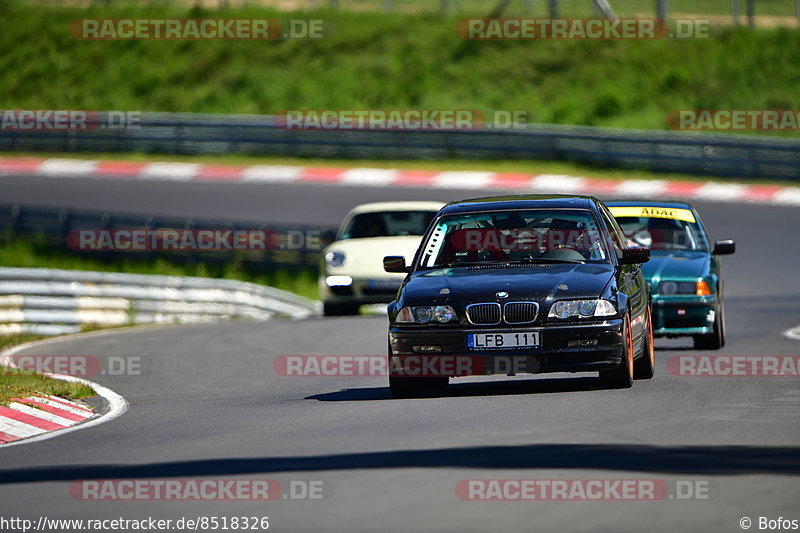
{"x":475,"y":388}
{"x":689,"y":348}
{"x":684,"y":460}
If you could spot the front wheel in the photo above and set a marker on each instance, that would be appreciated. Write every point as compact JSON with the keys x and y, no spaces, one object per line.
{"x":716,"y":339}
{"x":645,"y":366}
{"x":622,"y":376}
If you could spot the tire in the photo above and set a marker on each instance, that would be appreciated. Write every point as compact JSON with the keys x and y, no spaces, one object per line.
{"x":416,"y":387}
{"x":622,"y":376}
{"x":645,"y":366}
{"x":716,"y":339}
{"x":339,"y":309}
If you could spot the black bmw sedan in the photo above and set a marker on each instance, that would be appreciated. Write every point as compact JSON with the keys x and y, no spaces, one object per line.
{"x":520,"y":284}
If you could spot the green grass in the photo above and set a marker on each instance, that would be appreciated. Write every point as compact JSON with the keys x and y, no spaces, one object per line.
{"x":23,"y":383}
{"x":16,"y":383}
{"x":7,"y":341}
{"x":583,"y":8}
{"x":38,"y":253}
{"x":382,"y":61}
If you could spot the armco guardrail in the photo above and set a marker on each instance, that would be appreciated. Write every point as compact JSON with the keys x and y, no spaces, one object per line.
{"x":51,"y":302}
{"x":296,"y":246}
{"x":662,"y":151}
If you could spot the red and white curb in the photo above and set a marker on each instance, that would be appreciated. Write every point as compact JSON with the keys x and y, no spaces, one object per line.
{"x":42,"y":417}
{"x":34,"y":415}
{"x":380,"y":177}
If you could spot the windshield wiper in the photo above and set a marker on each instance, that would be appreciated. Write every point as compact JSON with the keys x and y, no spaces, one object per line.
{"x":523,"y":260}
{"x":463,"y":263}
{"x":544,"y":260}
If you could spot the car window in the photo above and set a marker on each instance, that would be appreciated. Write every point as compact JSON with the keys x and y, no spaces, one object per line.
{"x":515,"y":235}
{"x":617,"y":237}
{"x":663,"y":234}
{"x":387,"y":224}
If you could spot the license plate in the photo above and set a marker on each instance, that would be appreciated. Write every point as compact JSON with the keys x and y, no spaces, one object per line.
{"x":503,"y":341}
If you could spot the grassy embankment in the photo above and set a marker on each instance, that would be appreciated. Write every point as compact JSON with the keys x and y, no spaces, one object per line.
{"x":388,"y":61}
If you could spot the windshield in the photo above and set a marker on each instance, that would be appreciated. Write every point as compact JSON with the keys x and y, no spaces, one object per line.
{"x":387,"y":224}
{"x":535,"y":235}
{"x":663,"y":233}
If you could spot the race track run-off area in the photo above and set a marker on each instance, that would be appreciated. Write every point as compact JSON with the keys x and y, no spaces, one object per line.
{"x":338,"y":454}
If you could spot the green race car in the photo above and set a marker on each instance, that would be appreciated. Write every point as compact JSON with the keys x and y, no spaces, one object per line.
{"x":684,"y":271}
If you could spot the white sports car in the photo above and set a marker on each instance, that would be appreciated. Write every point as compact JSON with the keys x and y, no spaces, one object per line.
{"x":352,"y":271}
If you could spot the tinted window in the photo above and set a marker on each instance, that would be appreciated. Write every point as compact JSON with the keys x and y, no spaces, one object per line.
{"x":519,"y":235}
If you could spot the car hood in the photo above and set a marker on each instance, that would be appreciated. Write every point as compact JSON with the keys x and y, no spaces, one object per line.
{"x":364,"y":257}
{"x":464,"y":285}
{"x":675,"y":266}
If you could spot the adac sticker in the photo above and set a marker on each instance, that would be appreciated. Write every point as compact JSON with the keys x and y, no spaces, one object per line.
{"x":654,"y":212}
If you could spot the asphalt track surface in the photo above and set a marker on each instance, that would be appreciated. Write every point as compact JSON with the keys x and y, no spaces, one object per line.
{"x":209,"y":405}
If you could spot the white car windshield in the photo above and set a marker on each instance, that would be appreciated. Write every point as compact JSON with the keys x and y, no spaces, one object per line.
{"x":387,"y":224}
{"x":534,"y":235}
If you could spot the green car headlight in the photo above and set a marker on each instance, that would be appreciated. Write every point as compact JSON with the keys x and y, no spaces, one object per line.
{"x":698,"y":288}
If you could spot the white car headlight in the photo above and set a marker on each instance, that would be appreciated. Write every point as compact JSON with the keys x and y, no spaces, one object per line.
{"x":334,"y":258}
{"x":581,"y":308}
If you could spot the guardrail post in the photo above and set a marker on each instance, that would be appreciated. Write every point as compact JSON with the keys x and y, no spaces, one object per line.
{"x":63,"y":228}
{"x":553,"y":9}
{"x":662,"y":9}
{"x":16,"y":221}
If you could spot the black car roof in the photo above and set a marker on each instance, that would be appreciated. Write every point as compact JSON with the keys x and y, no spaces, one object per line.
{"x":634,"y":203}
{"x":520,"y":201}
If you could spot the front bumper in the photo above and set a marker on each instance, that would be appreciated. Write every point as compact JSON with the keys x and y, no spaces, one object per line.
{"x":361,"y":291}
{"x":552,"y":355}
{"x":683,"y":315}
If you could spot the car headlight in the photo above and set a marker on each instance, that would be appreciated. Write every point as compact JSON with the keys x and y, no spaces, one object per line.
{"x":581,"y":308}
{"x":334,"y":258}
{"x":422,"y":314}
{"x":699,"y":288}
{"x":338,"y":281}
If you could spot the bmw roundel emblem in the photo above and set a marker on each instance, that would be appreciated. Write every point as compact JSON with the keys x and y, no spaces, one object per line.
{"x":502,"y":294}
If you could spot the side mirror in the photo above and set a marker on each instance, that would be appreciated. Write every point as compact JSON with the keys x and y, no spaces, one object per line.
{"x":724,"y":247}
{"x":635,"y":255}
{"x":395,"y":263}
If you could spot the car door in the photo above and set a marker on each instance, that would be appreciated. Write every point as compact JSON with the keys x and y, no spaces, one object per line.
{"x":631,"y":279}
